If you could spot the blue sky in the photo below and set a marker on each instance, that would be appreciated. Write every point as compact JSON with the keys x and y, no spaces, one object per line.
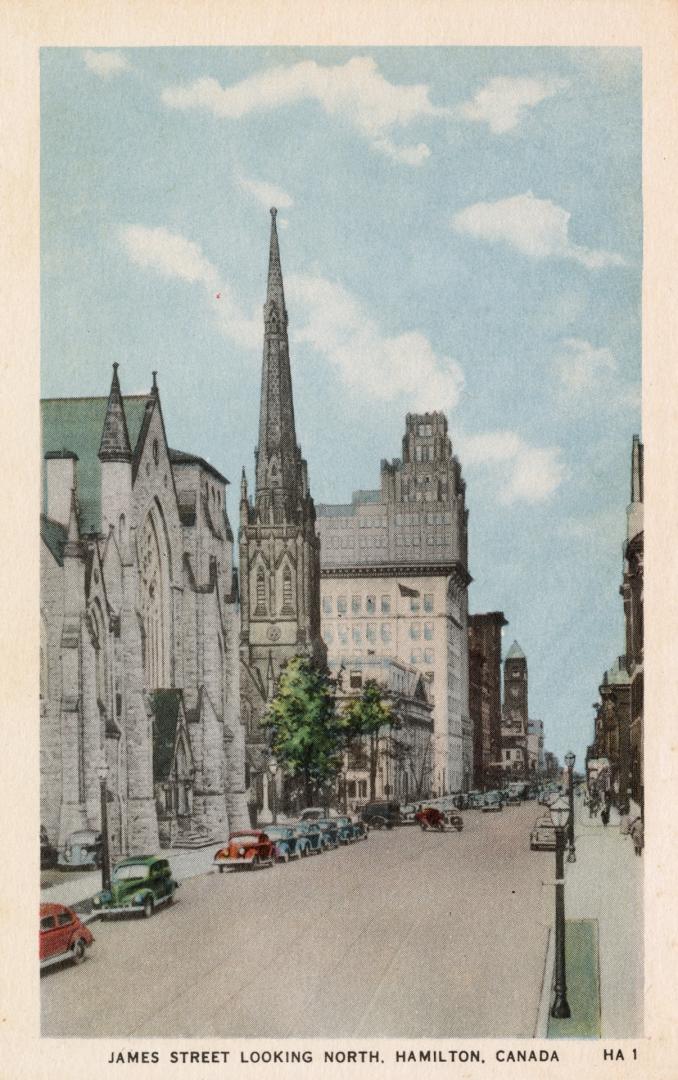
{"x":460,"y":229}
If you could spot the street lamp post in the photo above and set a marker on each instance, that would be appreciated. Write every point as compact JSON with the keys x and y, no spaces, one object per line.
{"x":273,"y":769}
{"x":569,"y":761}
{"x":559,"y":811}
{"x":105,"y":853}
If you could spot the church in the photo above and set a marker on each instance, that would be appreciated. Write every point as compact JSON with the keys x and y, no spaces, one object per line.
{"x":279,"y":548}
{"x":139,"y":673}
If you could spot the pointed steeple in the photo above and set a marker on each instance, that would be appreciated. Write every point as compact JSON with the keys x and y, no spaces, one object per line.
{"x":637,"y":470}
{"x":115,"y":444}
{"x":515,"y":652}
{"x":280,"y":482}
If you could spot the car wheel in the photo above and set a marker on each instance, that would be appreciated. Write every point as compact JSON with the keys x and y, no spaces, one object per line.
{"x":255,"y":862}
{"x":459,"y":827}
{"x":285,"y":857}
{"x":148,"y":907}
{"x":78,"y":951}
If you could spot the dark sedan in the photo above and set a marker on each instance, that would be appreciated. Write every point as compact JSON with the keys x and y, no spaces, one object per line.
{"x":286,"y":842}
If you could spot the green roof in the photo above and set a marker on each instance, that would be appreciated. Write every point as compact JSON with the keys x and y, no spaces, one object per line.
{"x":76,"y":425}
{"x":515,"y":652}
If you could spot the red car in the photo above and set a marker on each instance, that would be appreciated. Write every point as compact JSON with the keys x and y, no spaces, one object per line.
{"x":62,"y":935}
{"x":246,"y":850}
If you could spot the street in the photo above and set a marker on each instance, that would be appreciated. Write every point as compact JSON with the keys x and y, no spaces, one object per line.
{"x":409,"y":934}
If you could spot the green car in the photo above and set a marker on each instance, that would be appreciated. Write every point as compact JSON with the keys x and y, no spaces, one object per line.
{"x":138,"y":884}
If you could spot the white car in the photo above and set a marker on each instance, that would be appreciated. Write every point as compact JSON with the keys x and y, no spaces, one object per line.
{"x":316,"y":813}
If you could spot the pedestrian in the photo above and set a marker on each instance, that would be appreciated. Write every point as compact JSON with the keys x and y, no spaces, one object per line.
{"x":605,"y":814}
{"x":624,"y":820}
{"x":637,"y":834}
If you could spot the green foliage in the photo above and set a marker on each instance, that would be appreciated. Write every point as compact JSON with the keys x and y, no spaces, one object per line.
{"x":364,"y":715}
{"x":306,"y":735}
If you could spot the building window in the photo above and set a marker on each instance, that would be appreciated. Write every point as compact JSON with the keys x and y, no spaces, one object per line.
{"x":343,"y":635}
{"x":357,"y":636}
{"x":327,"y":605}
{"x":386,"y":605}
{"x":414,"y":603}
{"x":356,"y":605}
{"x":415,"y":631}
{"x":371,"y":632}
{"x":287,"y":605}
{"x":341,"y":605}
{"x":351,"y":789}
{"x":261,"y":590}
{"x":428,"y":631}
{"x":386,"y":632}
{"x":355,"y":680}
{"x":429,"y":656}
{"x":428,"y":601}
{"x":371,"y":605}
{"x":416,"y":656}
{"x":362,"y":789}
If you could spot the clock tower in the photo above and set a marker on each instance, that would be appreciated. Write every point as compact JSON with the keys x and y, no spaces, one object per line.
{"x":279,"y":549}
{"x":515,"y":714}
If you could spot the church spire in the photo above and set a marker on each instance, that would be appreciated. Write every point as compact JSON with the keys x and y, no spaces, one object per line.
{"x":637,"y":470}
{"x":279,"y":475}
{"x":115,"y":444}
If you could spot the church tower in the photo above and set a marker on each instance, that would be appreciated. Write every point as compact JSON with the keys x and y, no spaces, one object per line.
{"x":279,"y":549}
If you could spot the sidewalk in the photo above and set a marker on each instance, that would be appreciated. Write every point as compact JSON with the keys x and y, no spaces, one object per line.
{"x":77,"y":889}
{"x":606,"y":884}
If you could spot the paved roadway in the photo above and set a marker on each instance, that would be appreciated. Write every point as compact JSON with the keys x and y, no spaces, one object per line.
{"x":409,"y":934}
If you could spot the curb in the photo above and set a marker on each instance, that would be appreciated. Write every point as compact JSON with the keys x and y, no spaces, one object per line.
{"x":541,"y":1028}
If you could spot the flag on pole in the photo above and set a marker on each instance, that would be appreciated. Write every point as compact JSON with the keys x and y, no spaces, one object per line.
{"x":406,"y":591}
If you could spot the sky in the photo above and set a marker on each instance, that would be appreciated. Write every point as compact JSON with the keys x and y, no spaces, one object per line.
{"x":460,"y":229}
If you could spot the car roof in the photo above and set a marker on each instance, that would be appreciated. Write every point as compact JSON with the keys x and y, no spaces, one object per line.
{"x":54,"y":909}
{"x":135,"y":860}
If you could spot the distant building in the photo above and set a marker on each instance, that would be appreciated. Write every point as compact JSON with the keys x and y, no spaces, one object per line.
{"x":632,"y":593}
{"x":279,"y":549}
{"x":612,"y":729}
{"x":484,"y":634}
{"x":535,"y":747}
{"x":551,"y":766}
{"x":400,"y":756}
{"x":139,"y":631}
{"x":515,"y":719}
{"x":395,"y":579}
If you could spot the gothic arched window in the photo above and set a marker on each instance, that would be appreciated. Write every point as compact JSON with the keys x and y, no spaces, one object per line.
{"x":261,"y":592}
{"x":154,"y":568}
{"x":287,"y":598}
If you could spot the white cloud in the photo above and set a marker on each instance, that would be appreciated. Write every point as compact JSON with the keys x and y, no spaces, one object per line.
{"x":503,"y":102}
{"x":355,"y":91}
{"x":106,"y":63}
{"x":536,"y":227}
{"x":267,"y":194}
{"x":589,"y":375}
{"x":522,"y":472}
{"x":173,"y":256}
{"x":368,"y":361}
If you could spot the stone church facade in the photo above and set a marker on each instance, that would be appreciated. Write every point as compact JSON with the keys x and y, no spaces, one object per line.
{"x":279,"y":549}
{"x":139,"y":631}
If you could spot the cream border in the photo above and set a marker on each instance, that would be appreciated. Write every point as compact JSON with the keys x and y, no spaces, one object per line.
{"x":29,"y":24}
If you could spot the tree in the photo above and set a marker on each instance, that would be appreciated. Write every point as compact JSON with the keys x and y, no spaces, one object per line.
{"x":364,"y":716}
{"x":306,"y":735}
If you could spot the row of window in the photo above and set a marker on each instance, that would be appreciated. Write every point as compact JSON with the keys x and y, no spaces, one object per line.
{"x":356,"y":632}
{"x":371,"y":604}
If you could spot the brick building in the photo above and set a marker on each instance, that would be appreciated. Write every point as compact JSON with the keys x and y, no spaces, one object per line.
{"x":514,"y":729}
{"x":139,"y":621}
{"x":395,"y":582}
{"x":485,"y":633}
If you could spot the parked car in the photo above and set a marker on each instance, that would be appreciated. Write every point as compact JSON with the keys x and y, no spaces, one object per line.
{"x":330,"y":831}
{"x":138,"y":886}
{"x":380,"y":815}
{"x":246,"y":850}
{"x":49,"y":856}
{"x":406,"y":814}
{"x":491,"y":802}
{"x":345,"y":831}
{"x":309,"y":838}
{"x":285,"y":840}
{"x":83,"y":849}
{"x":461,"y":801}
{"x":315,"y":813}
{"x":359,"y":829}
{"x":62,"y":935}
{"x":476,"y":800}
{"x":543,"y":835}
